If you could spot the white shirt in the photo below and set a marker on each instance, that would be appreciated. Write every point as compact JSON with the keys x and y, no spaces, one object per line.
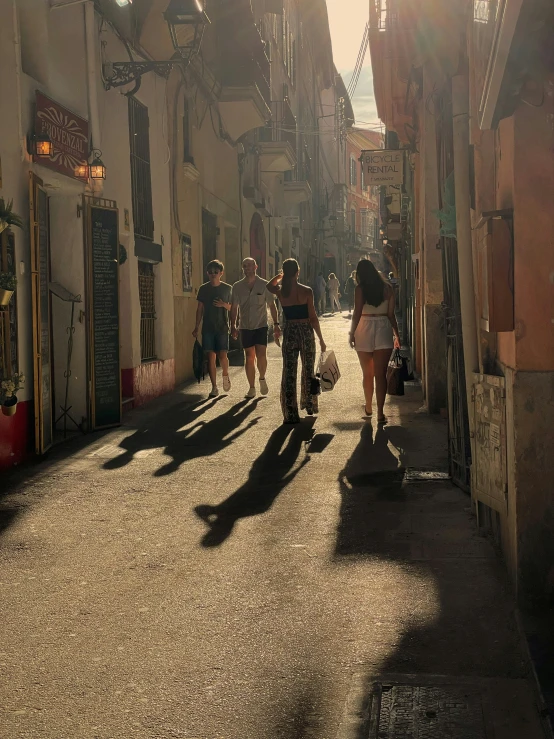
{"x":253,"y":301}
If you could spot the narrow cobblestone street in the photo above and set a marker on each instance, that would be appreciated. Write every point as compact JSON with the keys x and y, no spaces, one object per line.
{"x":205,"y":572}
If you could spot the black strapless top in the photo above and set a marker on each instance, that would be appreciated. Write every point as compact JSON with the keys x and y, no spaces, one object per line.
{"x":296,"y":312}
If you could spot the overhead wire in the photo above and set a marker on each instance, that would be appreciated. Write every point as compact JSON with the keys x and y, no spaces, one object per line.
{"x":359,"y":63}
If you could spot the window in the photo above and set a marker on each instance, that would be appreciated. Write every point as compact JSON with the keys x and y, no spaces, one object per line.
{"x":353,"y":171}
{"x":364,"y":186}
{"x":288,"y":48}
{"x":353,"y":220}
{"x":187,"y":138}
{"x":365,"y":225}
{"x":147,"y":311}
{"x":141,"y":180}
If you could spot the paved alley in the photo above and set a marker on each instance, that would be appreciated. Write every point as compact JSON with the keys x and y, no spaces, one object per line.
{"x":205,"y":572}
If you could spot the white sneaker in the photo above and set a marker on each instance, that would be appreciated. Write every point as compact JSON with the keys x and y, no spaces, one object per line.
{"x":214,"y":393}
{"x":251,"y":393}
{"x":226,"y":383}
{"x":263,"y":386}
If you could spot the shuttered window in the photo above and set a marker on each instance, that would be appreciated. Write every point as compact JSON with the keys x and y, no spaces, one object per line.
{"x":147,"y":299}
{"x":141,"y":180}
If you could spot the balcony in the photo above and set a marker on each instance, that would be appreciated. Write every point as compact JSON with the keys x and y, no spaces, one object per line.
{"x":277,"y":140}
{"x":296,"y":191}
{"x":243,"y":70}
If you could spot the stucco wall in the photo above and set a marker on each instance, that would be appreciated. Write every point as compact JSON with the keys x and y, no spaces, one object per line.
{"x":55,"y":53}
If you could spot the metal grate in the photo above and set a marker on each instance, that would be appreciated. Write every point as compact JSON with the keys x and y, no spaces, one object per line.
{"x":141,"y":181}
{"x":147,"y":299}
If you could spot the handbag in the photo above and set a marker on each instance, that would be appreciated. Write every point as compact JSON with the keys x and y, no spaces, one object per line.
{"x":328,"y":372}
{"x":395,"y":372}
{"x":198,"y":360}
{"x":315,"y":386}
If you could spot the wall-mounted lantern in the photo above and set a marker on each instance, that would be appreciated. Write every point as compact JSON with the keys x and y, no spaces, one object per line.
{"x":43,"y":146}
{"x":82,"y":171}
{"x":97,"y":169}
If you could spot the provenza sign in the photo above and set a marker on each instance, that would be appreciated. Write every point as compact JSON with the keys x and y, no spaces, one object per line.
{"x":68,"y":132}
{"x":383,"y":167}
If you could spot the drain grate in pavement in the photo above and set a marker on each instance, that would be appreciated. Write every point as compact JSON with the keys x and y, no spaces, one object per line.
{"x":413,"y":474}
{"x":398,"y":706}
{"x":426,"y":712}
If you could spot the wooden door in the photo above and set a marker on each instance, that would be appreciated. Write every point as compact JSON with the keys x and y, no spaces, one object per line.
{"x":42,"y":349}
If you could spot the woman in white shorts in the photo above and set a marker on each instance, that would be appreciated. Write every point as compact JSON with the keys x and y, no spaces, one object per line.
{"x":374,"y":333}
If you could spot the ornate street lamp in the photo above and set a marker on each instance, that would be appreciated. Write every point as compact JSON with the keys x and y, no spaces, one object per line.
{"x":185,"y":20}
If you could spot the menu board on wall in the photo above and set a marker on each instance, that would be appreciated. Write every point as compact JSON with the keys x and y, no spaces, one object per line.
{"x":44,"y":313}
{"x":103,"y":247}
{"x":12,"y":309}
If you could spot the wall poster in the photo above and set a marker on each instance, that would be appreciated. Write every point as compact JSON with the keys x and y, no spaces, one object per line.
{"x":186,"y":252}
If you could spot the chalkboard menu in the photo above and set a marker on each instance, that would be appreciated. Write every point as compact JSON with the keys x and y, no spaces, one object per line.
{"x":104,"y":316}
{"x":44,"y":313}
{"x":12,"y":306}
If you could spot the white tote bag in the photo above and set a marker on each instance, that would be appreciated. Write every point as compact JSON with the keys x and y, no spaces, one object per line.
{"x":329,"y":372}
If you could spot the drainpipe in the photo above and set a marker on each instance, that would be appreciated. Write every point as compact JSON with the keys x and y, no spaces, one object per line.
{"x":460,"y":123}
{"x":17,"y":61}
{"x":92,"y":85}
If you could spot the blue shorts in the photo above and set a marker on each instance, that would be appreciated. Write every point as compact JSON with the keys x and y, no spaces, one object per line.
{"x":215,"y":342}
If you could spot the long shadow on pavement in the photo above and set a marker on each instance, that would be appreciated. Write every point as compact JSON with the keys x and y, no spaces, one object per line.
{"x":454,"y":610}
{"x":270,"y":473}
{"x":185,"y":434}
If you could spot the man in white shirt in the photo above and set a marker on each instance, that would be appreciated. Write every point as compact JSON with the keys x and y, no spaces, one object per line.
{"x":250,"y":301}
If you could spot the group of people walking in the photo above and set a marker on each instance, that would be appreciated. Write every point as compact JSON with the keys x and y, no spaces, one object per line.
{"x":225,"y":310}
{"x":331,"y":287}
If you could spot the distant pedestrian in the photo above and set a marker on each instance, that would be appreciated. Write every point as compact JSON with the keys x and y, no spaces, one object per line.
{"x":250,"y":301}
{"x":349,"y":289}
{"x":301,"y":321}
{"x":214,"y":304}
{"x":333,"y":285}
{"x":320,"y":294}
{"x":371,"y":333}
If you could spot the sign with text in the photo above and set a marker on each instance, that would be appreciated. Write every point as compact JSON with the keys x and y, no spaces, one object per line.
{"x":383,"y":167}
{"x":68,"y":132}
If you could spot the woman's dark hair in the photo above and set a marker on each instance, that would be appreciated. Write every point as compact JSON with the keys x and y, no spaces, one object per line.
{"x":290,"y":270}
{"x":371,"y":282}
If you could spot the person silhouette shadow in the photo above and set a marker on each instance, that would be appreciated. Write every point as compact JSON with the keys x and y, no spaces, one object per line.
{"x":269,"y":475}
{"x":205,"y":438}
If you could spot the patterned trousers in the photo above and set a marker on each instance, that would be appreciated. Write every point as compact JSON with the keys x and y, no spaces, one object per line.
{"x":298,"y":338}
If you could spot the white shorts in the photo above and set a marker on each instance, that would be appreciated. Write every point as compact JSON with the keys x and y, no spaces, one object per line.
{"x":373,"y":333}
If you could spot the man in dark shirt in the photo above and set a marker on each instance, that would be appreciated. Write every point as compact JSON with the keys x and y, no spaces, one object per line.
{"x":214,"y":304}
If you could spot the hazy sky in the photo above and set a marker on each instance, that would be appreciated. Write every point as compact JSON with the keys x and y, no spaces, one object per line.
{"x":347,"y":19}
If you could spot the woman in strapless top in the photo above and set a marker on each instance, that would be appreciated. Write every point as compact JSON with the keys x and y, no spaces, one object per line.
{"x":298,"y":338}
{"x":371,"y":334}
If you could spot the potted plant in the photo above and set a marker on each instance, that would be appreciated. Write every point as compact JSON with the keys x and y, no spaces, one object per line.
{"x":7,"y":216}
{"x":9,"y":390}
{"x":8,"y":283}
